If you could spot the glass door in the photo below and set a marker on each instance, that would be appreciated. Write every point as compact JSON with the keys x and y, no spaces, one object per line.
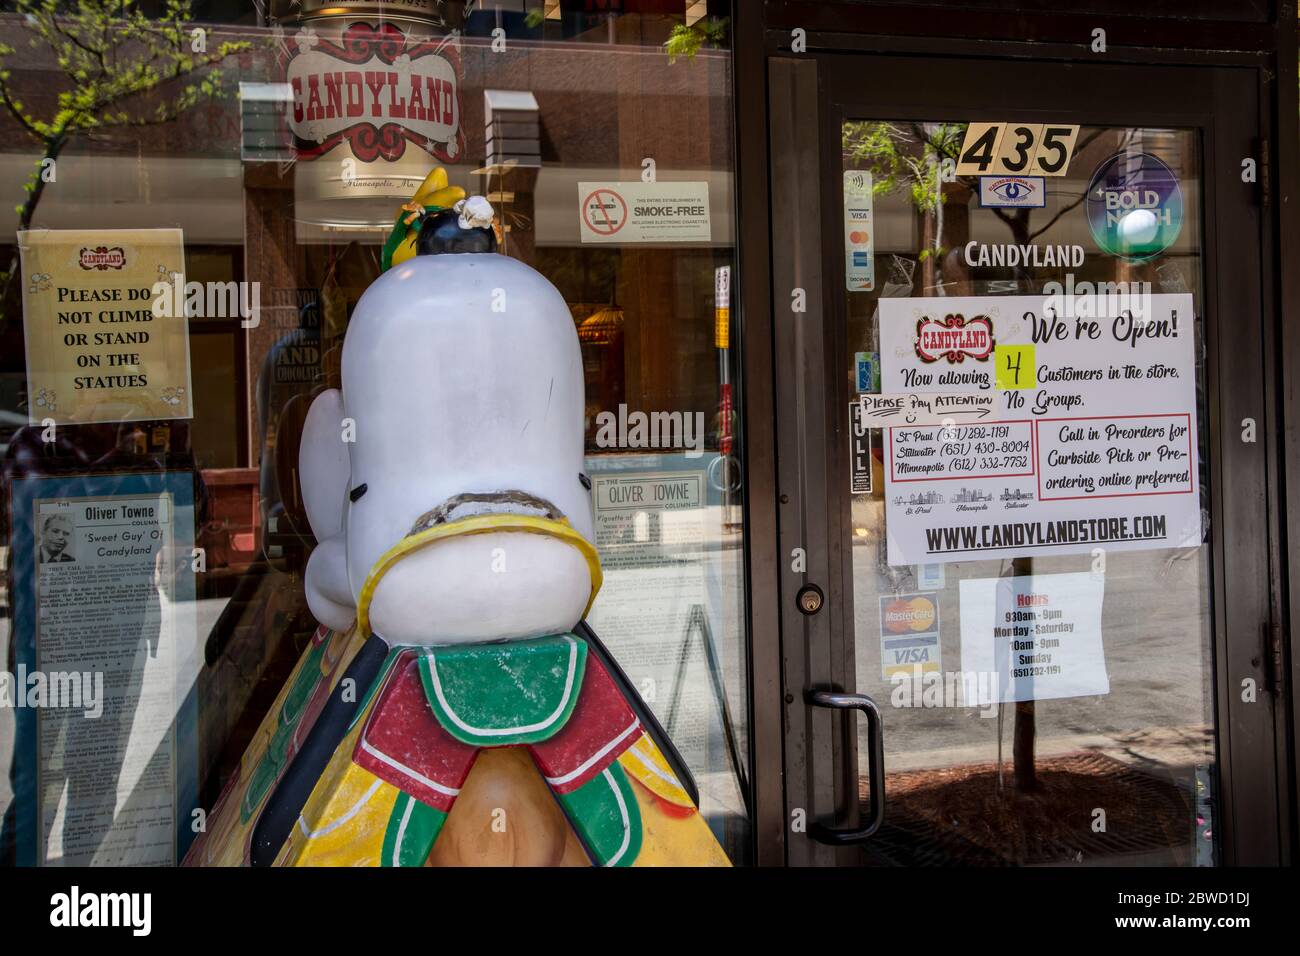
{"x":1038,"y":314}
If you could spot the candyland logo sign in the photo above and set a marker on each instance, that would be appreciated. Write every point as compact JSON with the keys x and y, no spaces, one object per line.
{"x":955,"y":338}
{"x":102,"y":258}
{"x":376,"y":88}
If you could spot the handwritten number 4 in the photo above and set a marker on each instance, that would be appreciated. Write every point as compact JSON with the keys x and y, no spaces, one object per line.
{"x":1014,"y":368}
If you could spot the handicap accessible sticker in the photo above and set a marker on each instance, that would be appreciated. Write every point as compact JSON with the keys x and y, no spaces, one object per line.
{"x":1135,"y":206}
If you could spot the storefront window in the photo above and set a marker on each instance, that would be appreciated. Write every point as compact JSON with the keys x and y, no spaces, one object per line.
{"x":184,"y":277}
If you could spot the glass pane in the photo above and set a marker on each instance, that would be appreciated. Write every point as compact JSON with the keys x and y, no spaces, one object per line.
{"x":261,"y":210}
{"x":1031,"y":582}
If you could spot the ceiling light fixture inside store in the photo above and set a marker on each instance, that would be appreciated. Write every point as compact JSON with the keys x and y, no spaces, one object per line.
{"x":601,"y":326}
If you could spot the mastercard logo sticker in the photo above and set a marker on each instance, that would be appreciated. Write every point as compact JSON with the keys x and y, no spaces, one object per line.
{"x":859,"y":237}
{"x":915,"y":615}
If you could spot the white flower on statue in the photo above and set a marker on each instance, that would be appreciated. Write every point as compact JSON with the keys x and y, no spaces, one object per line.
{"x":475,"y":213}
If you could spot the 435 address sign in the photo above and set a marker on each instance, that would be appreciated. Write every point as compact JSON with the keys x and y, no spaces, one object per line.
{"x":1016,"y":149}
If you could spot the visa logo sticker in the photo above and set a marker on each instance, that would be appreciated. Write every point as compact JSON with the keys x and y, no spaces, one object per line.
{"x":910,"y":660}
{"x":1012,"y":192}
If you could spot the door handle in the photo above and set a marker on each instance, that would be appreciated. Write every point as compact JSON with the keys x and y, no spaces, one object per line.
{"x":875,"y":766}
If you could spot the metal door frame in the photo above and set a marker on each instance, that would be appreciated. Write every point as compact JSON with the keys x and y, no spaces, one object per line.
{"x":815,"y":773}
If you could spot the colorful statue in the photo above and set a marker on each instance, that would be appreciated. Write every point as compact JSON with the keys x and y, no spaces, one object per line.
{"x":454,"y":709}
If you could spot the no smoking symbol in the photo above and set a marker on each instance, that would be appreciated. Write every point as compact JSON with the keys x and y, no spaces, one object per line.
{"x":604,"y":211}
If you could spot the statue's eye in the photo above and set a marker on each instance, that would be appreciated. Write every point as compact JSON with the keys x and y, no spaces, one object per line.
{"x":586,"y":482}
{"x":356,"y":493}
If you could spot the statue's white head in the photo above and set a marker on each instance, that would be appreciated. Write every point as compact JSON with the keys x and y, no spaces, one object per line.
{"x":445,"y":482}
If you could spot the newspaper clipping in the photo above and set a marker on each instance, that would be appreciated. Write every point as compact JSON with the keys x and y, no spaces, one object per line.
{"x":105,"y":639}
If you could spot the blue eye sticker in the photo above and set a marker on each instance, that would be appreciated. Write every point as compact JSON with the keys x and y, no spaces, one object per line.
{"x":1012,"y":192}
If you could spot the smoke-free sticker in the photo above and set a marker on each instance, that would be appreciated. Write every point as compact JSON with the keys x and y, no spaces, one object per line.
{"x":637,"y":212}
{"x":1135,"y":206}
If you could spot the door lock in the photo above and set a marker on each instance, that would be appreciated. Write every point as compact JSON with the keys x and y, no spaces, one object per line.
{"x":810,"y":599}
